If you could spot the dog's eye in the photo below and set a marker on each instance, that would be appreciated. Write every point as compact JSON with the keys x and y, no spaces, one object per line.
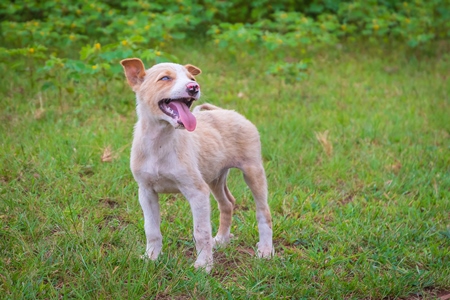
{"x":164,"y":78}
{"x":193,"y":79}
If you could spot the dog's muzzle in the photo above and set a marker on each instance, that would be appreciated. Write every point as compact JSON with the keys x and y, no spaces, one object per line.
{"x":192,"y":88}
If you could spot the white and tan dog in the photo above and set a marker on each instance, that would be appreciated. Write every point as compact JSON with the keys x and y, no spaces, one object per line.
{"x":194,"y":161}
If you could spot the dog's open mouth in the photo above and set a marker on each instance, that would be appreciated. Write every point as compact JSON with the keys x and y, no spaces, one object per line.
{"x":178,"y":109}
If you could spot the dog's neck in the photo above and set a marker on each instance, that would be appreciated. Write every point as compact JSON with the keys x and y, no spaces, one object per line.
{"x":155,"y":131}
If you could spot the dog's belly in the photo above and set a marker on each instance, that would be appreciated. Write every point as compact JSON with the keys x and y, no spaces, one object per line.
{"x":157,"y":182}
{"x":163,"y":189}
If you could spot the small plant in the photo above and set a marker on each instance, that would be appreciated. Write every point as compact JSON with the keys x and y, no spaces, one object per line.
{"x":24,"y":60}
{"x":289,"y":72}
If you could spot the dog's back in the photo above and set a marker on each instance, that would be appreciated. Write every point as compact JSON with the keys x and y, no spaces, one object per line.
{"x":205,"y":106}
{"x":229,"y":140}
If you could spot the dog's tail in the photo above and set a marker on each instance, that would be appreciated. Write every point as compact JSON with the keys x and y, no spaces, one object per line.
{"x":206,"y":106}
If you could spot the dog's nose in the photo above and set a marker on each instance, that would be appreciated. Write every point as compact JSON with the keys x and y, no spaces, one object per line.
{"x":192,"y":88}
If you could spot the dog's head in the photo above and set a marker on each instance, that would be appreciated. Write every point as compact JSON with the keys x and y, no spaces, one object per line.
{"x":167,"y":90}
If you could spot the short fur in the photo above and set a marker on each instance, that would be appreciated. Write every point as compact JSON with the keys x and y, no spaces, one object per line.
{"x":167,"y":160}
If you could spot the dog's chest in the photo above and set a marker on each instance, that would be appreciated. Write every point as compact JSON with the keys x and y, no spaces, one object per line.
{"x":157,"y":172}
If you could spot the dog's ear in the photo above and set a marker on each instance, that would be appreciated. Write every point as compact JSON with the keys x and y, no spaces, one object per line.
{"x":193,"y":69}
{"x":134,"y":71}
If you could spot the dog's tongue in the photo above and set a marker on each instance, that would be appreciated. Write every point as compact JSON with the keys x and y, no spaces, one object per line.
{"x":187,"y":118}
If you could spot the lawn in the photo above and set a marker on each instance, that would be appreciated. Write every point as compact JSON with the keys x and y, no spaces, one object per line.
{"x":357,"y":157}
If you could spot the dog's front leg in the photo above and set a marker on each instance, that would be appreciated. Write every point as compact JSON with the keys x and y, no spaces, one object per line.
{"x":150,"y":207}
{"x":200,"y":206}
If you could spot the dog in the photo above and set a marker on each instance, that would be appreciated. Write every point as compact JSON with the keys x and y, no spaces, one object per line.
{"x":175,"y":150}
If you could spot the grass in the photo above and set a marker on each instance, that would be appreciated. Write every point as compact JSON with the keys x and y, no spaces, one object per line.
{"x":357,"y":159}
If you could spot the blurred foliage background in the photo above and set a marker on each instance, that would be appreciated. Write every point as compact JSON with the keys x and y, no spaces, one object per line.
{"x":49,"y":39}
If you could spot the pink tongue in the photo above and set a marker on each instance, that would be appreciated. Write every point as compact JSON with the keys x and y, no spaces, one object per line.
{"x":187,"y":118}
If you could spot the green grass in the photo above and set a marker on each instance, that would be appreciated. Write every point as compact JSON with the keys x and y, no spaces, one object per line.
{"x":365,"y":218}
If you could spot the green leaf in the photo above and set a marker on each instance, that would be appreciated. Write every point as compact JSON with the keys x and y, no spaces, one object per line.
{"x":86,"y":51}
{"x":76,"y":65}
{"x":47,"y":85}
{"x":70,"y":89}
{"x":179,"y":35}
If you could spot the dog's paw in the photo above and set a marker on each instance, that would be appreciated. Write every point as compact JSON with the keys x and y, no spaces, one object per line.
{"x":150,"y":254}
{"x":203,"y":265}
{"x":265,"y":251}
{"x":148,"y":257}
{"x":221,"y":240}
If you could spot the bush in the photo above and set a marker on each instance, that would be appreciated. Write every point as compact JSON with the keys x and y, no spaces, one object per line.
{"x":417,"y":24}
{"x":85,"y":38}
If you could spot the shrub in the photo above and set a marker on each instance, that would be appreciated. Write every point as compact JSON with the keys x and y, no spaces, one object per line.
{"x":44,"y":36}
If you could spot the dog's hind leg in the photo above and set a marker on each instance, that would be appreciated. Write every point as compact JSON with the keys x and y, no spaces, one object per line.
{"x":255,"y":178}
{"x":226,"y":206}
